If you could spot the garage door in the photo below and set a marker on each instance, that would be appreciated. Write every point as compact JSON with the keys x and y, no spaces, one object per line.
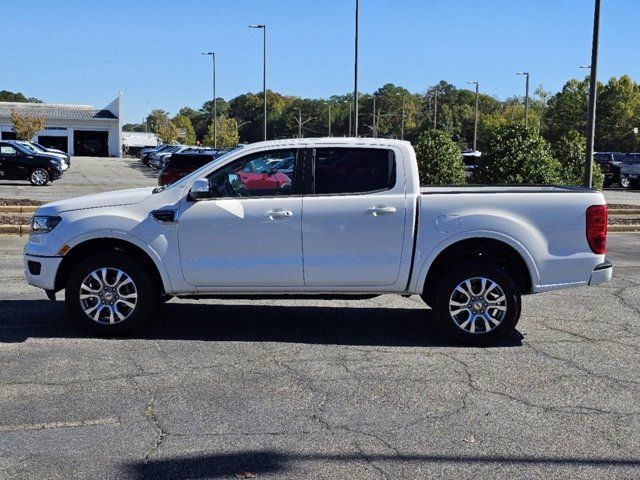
{"x":91,"y":143}
{"x":48,"y":141}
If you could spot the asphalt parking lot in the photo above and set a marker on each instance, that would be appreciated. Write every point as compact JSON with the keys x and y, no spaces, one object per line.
{"x":321,"y":389}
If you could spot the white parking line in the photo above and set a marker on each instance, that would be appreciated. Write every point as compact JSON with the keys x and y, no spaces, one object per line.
{"x":70,"y":424}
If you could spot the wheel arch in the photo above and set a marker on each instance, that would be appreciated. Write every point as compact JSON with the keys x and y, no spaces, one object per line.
{"x":496,"y":247}
{"x":91,"y":246}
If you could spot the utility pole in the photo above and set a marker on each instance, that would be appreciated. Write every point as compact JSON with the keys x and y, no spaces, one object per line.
{"x":435,"y":110}
{"x":375,"y":128}
{"x":402,"y":124}
{"x":475,"y":125}
{"x":299,"y":122}
{"x":355,"y":76}
{"x":329,"y":105}
{"x":593,"y":87}
{"x":264,"y":72}
{"x":215,"y":103}
{"x":526,"y":98}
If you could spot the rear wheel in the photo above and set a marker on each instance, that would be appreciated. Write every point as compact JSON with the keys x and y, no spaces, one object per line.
{"x":110,"y":294}
{"x":39,"y":177}
{"x":623,"y":182}
{"x":477,"y":303}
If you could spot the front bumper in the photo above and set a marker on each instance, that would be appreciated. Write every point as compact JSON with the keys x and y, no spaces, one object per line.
{"x":602,"y":273}
{"x":41,"y":271}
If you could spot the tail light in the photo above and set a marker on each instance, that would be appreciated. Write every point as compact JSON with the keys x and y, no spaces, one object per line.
{"x":597,"y":228}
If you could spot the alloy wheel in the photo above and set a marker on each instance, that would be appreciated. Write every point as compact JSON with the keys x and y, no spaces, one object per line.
{"x":478,"y":305}
{"x":108,"y":295}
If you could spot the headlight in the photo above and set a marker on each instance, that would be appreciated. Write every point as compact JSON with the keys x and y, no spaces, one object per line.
{"x":41,"y":224}
{"x":55,"y":162}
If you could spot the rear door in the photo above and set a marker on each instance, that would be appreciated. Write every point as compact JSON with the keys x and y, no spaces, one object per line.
{"x":354,"y":218}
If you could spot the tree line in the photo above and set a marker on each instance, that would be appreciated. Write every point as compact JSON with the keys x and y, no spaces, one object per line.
{"x":441,"y":107}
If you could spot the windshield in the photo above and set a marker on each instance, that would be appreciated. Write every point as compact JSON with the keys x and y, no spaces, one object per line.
{"x":200,"y":171}
{"x":30,"y":148}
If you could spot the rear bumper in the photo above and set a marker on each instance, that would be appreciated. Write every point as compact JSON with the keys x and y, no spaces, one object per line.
{"x":601,"y":273}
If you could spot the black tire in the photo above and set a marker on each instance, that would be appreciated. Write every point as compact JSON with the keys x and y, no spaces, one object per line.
{"x":143,"y":287}
{"x":39,"y":177}
{"x":606,"y":184}
{"x":624,"y":183}
{"x":453,"y":325}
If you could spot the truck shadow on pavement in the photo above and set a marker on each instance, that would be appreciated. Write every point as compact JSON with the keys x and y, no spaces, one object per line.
{"x":246,"y":464}
{"x":333,"y":325}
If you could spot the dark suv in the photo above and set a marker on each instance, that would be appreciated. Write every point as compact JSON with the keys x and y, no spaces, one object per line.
{"x":180,"y":164}
{"x":18,"y":162}
{"x":610,"y":163}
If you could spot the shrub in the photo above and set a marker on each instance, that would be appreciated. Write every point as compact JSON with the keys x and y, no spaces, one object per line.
{"x":515,"y":153}
{"x":439,"y":159}
{"x":570,"y":151}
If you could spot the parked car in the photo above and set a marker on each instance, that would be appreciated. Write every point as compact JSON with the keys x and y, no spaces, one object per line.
{"x":22,"y":162}
{"x":66,"y":159}
{"x":470,"y":160}
{"x":145,"y":153}
{"x":368,"y":229}
{"x":180,"y":164}
{"x":156,"y":159}
{"x":610,"y":164}
{"x":630,"y":170}
{"x":257,"y":175}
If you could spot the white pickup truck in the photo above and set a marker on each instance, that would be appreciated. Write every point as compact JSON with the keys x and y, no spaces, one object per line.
{"x":351,"y":222}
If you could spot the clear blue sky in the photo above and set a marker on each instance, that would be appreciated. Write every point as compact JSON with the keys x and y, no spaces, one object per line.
{"x":76,"y":51}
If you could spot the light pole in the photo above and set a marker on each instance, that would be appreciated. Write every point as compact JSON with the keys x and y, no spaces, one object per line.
{"x":593,"y":88}
{"x":375,"y":128}
{"x":329,"y":105}
{"x":264,"y":72}
{"x":238,"y":128}
{"x":526,"y":98}
{"x":215,"y":102}
{"x":355,"y":75}
{"x":475,"y":124}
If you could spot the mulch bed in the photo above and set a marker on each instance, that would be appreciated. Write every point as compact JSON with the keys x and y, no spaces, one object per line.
{"x":14,"y":220}
{"x":624,"y":221}
{"x":4,"y":202}
{"x":622,"y":206}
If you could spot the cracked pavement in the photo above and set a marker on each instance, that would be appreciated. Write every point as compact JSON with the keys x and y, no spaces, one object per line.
{"x":323,"y":389}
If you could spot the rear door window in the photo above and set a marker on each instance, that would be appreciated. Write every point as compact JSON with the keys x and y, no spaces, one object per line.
{"x":353,"y":170}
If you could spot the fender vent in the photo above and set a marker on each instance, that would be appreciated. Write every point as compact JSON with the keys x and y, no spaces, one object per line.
{"x":164,"y":216}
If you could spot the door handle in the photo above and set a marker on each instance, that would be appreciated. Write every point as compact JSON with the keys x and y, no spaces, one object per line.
{"x":381,"y":210}
{"x":278,"y":213}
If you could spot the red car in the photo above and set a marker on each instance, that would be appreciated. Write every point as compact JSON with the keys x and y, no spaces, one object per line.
{"x":257,"y":175}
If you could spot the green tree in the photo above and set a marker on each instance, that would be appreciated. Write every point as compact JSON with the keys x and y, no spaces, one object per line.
{"x":7,"y":96}
{"x":515,"y":153}
{"x":26,"y":126}
{"x":227,"y":133}
{"x":183,"y":124}
{"x":567,"y":110}
{"x":617,"y":116}
{"x":439,"y":159}
{"x":570,"y":151}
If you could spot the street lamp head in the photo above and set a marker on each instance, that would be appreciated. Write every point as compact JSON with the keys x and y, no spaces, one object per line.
{"x":256,"y":26}
{"x":522,"y":73}
{"x":472,"y":83}
{"x":588,"y":67}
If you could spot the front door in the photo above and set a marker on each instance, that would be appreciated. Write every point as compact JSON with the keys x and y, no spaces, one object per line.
{"x":12,"y":167}
{"x":249,"y":234}
{"x":354,"y":220}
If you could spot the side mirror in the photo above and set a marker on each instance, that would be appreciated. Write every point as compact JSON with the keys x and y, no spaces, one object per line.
{"x":200,"y":189}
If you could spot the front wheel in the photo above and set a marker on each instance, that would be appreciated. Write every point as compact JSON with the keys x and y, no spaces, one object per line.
{"x":39,"y":177}
{"x":110,"y":293}
{"x":624,"y":182}
{"x":477,"y":303}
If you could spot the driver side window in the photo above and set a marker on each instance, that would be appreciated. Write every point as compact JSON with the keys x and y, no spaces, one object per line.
{"x":262,"y":174}
{"x":8,"y":150}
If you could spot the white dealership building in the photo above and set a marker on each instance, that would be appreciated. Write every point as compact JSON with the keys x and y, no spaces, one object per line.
{"x":75,"y":129}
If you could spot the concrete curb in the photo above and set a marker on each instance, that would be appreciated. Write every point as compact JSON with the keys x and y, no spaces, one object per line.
{"x":18,"y":208}
{"x":19,"y":230}
{"x":625,"y":211}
